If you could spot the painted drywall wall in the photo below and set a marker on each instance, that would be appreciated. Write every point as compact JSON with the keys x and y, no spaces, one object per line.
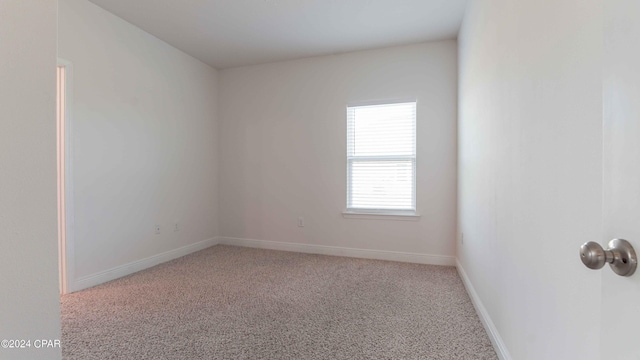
{"x":530,"y":171}
{"x":29,"y":302}
{"x":283,"y":149}
{"x":144,"y":152}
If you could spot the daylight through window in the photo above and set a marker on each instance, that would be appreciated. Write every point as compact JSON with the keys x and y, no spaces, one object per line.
{"x":381,"y":158}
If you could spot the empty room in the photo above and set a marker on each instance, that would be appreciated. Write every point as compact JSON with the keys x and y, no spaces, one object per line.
{"x":319,"y":179}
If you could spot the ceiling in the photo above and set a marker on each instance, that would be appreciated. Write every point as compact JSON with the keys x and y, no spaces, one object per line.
{"x":229,"y":33}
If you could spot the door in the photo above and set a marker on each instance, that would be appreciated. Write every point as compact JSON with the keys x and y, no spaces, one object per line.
{"x":620,"y":330}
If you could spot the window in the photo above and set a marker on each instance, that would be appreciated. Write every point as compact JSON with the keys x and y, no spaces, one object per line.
{"x":381,"y":158}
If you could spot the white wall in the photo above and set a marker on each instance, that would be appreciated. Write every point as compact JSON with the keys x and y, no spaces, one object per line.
{"x":144,"y":133}
{"x":530,"y":170}
{"x":283,"y":149}
{"x":29,"y":303}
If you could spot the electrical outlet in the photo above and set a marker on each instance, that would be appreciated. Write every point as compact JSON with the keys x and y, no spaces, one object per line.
{"x":176,"y":226}
{"x":300,"y":222}
{"x":157,"y":229}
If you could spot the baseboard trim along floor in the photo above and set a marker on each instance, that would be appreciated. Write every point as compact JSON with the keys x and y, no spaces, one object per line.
{"x":342,"y":251}
{"x":492,"y":331}
{"x":86,"y":282}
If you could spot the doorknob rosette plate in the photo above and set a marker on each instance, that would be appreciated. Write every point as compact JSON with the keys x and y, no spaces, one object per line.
{"x":625,"y":260}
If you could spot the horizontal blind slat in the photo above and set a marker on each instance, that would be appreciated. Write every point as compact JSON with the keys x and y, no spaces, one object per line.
{"x":381,"y":151}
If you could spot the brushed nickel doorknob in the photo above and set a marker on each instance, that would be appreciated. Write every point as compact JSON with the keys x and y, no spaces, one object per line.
{"x":593,"y":255}
{"x":621,"y":257}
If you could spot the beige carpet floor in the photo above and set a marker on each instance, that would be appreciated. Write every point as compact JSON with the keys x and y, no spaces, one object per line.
{"x":229,"y":302}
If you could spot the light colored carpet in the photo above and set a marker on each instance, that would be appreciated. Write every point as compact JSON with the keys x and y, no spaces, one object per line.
{"x":229,"y":302}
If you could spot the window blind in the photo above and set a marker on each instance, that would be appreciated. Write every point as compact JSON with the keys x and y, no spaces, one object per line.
{"x":381,"y":157}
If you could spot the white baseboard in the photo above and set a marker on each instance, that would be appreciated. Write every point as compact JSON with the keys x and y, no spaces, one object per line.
{"x":86,"y":282}
{"x":341,"y":251}
{"x":489,"y":326}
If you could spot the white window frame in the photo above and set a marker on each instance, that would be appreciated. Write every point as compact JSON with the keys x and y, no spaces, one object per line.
{"x":373,"y":213}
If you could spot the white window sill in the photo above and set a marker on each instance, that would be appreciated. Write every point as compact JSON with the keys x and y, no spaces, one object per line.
{"x":380,"y":216}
